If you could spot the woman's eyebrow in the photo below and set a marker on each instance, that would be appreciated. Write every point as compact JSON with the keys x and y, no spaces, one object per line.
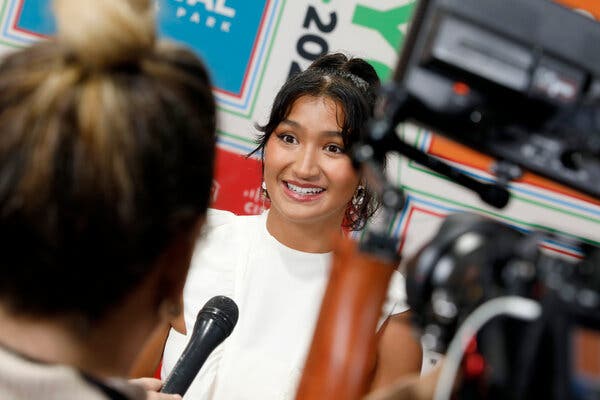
{"x":295,"y":124}
{"x":291,"y":123}
{"x":332,"y":134}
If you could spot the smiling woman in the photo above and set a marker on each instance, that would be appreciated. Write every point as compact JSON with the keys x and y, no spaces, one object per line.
{"x":309,"y":177}
{"x":276,"y":265}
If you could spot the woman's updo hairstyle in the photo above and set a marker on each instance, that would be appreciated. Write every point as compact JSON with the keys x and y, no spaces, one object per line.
{"x":106,"y":156}
{"x":105,"y":33}
{"x":351,"y":82}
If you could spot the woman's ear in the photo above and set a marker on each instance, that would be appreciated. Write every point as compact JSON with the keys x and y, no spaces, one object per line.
{"x":174,"y":264}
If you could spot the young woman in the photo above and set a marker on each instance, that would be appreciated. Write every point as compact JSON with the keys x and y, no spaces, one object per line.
{"x":106,"y":149}
{"x":276,"y":265}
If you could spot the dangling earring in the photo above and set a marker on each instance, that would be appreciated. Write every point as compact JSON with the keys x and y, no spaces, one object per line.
{"x":263,"y":188}
{"x":359,"y":197}
{"x":264,"y":197}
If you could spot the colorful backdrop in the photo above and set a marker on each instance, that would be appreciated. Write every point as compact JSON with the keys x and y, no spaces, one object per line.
{"x":251,"y":47}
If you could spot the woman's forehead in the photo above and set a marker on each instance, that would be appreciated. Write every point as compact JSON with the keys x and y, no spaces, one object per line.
{"x":305,"y":102}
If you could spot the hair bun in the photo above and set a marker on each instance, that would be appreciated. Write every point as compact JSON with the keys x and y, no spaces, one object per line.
{"x":104,"y":33}
{"x":363,"y":70}
{"x":337,"y":62}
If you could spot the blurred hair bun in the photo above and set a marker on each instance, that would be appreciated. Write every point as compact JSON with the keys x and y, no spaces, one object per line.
{"x":105,"y":33}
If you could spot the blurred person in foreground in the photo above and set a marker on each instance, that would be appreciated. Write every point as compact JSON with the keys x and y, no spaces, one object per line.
{"x":106,"y":161}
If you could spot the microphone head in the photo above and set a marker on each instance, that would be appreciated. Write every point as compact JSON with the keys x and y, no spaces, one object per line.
{"x":214,"y":323}
{"x":222,"y":310}
{"x":495,"y":195}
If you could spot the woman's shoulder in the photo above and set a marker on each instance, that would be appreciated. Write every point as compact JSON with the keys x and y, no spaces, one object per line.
{"x":225,"y":235}
{"x":226,"y":220}
{"x":219,"y":254}
{"x":218,"y":260}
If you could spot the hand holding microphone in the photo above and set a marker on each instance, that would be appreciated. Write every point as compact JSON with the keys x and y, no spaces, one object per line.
{"x":214,"y":323}
{"x":152,"y":387}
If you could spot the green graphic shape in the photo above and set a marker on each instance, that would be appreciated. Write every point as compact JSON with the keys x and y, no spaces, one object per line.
{"x":383,"y":71}
{"x":386,"y":22}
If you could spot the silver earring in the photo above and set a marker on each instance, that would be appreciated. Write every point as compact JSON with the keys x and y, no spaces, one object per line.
{"x":263,"y":189}
{"x":359,"y":196}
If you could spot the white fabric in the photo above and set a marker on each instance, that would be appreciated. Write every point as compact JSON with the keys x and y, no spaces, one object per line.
{"x":278,"y":291}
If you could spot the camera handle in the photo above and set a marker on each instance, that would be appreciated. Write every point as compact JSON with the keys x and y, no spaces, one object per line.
{"x":395,"y":107}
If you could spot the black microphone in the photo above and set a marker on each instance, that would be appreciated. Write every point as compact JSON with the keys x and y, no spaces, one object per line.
{"x":214,"y":323}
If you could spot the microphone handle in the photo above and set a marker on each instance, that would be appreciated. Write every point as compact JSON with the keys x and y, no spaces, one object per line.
{"x":204,"y":340}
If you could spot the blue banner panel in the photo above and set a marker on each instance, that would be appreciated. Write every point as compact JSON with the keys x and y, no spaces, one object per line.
{"x":223,"y":32}
{"x":35,"y":16}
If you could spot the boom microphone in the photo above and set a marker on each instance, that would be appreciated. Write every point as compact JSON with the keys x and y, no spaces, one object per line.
{"x":214,"y":323}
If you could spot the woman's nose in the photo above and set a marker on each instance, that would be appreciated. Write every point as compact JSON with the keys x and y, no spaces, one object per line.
{"x":307,"y":164}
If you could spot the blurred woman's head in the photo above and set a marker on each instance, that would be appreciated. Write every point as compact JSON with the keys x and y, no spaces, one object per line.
{"x":106,"y":156}
{"x":349,"y":87}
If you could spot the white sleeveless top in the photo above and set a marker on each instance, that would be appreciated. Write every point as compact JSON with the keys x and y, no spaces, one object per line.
{"x":278,"y":291}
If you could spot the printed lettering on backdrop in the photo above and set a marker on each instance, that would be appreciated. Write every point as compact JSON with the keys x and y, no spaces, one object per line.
{"x":252,"y":46}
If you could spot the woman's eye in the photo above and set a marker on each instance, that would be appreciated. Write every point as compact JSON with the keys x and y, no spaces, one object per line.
{"x":334,"y":148}
{"x":287,"y":138}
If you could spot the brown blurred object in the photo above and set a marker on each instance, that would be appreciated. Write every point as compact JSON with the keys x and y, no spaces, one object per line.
{"x":342,"y":355}
{"x":586,"y":353}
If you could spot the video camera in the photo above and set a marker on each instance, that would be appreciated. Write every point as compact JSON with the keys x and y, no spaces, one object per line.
{"x":518,"y":80}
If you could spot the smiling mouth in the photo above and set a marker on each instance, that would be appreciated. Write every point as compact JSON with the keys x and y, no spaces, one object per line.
{"x":304,"y":191}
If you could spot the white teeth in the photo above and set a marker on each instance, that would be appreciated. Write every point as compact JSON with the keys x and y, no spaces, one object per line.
{"x":301,"y":190}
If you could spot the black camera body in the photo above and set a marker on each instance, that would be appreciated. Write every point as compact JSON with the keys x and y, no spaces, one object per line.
{"x":473,"y":259}
{"x":516,"y":79}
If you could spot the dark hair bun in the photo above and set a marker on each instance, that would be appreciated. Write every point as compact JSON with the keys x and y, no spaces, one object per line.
{"x":355,"y":66}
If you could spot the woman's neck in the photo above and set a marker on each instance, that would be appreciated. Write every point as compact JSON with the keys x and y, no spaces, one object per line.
{"x":106,"y":350}
{"x":303,"y":236}
{"x":44,"y":341}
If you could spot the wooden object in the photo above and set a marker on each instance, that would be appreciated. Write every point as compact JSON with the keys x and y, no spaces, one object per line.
{"x":342,"y":355}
